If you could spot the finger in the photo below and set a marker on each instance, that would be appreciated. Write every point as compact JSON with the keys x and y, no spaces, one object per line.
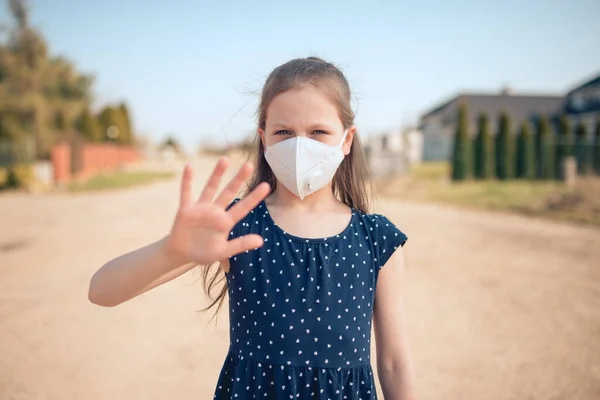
{"x":213,"y":182}
{"x":227,"y":195}
{"x":210,"y":217}
{"x":185,"y":195}
{"x":243,"y":243}
{"x":249,"y":203}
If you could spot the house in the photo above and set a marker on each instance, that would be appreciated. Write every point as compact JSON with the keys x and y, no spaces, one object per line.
{"x":391,"y":152}
{"x":582,"y":104}
{"x":147,"y":147}
{"x":414,"y":141}
{"x":438,"y":125}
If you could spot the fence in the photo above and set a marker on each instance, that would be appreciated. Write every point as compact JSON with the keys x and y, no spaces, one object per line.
{"x":13,"y":152}
{"x":77,"y":160}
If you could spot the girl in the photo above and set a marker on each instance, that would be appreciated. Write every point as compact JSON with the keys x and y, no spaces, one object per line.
{"x":307,"y":268}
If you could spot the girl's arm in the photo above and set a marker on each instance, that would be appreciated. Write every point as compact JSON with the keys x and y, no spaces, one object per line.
{"x":394,"y":365}
{"x":134,"y":273}
{"x":200,"y":233}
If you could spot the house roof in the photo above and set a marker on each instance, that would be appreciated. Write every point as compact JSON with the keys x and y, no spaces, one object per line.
{"x":519,"y":108}
{"x":496,"y":103}
{"x":595,"y":81}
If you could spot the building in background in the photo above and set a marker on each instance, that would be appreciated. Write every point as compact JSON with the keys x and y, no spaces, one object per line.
{"x":391,"y":152}
{"x":414,"y":142}
{"x":439,"y":124}
{"x":582,"y":104}
{"x":147,"y":147}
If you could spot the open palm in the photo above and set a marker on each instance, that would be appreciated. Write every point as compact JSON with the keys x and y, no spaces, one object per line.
{"x":200,"y":232}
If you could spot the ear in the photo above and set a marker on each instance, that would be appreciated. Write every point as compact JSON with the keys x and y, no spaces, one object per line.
{"x":261,"y":133}
{"x":349,"y":139}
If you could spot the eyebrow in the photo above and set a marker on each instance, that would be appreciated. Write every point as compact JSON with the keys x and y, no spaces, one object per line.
{"x":317,"y":126}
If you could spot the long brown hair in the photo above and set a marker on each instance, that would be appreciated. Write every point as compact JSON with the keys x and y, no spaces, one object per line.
{"x":350,"y":184}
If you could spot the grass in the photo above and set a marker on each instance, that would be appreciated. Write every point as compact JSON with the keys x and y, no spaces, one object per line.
{"x":430,"y":171}
{"x":119,"y":180}
{"x":548,"y":199}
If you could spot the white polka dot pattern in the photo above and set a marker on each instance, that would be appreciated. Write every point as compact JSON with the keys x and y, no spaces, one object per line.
{"x":300,"y":310}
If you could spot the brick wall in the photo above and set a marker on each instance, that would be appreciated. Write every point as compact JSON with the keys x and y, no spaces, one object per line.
{"x":91,"y":159}
{"x":61,"y":162}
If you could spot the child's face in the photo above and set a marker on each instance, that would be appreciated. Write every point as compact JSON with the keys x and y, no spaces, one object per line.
{"x":305,"y":112}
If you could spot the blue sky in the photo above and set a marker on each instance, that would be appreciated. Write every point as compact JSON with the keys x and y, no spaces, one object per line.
{"x":194,"y":68}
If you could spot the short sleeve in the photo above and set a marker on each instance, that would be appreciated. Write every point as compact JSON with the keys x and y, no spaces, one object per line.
{"x":389,"y":239}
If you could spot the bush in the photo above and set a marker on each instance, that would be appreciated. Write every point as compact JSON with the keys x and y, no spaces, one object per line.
{"x":505,"y":161}
{"x":483,"y":150}
{"x":582,"y":151}
{"x":596,"y":150}
{"x":462,"y":166}
{"x":18,"y":176}
{"x":544,"y":150}
{"x":3,"y":177}
{"x":525,"y":153}
{"x":564,"y":144}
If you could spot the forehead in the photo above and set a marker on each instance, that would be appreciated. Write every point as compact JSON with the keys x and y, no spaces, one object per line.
{"x":304,"y":105}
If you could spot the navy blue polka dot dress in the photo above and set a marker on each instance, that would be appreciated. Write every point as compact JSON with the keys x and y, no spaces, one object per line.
{"x":300,"y":311}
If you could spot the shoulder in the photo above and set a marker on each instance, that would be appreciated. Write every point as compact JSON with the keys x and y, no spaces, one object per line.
{"x":382,"y":226}
{"x":385,"y":236}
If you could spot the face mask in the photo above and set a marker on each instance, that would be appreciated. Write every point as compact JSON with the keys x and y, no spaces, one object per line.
{"x":304,"y":165}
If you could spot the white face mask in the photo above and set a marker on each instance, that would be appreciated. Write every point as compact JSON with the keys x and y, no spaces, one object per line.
{"x":304,"y":165}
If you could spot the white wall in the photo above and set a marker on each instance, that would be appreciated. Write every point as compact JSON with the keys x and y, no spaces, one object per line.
{"x":414,"y":143}
{"x":43,"y":172}
{"x":437,"y":140}
{"x":395,"y":141}
{"x":394,"y":154}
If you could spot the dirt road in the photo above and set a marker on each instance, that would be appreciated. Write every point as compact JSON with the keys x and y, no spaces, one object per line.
{"x":498,"y":307}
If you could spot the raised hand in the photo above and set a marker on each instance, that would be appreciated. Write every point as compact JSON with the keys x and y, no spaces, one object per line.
{"x":200,"y":232}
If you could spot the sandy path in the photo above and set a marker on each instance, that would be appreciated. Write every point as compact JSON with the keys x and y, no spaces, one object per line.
{"x":499,"y":307}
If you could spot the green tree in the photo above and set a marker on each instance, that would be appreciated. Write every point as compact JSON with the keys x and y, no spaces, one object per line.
{"x":10,"y":126}
{"x":564,"y":144}
{"x":525,"y":153}
{"x":483,"y":150}
{"x":88,"y":127}
{"x":108,"y":117}
{"x":25,"y":57}
{"x":538,"y":145}
{"x":42,"y":93}
{"x":170,"y":141}
{"x":126,"y":124}
{"x":544,"y":149}
{"x":60,"y":122}
{"x":14,"y":145}
{"x":581,"y":150}
{"x":596,"y":150}
{"x":461,"y":156}
{"x":117,"y":116}
{"x":504,"y":149}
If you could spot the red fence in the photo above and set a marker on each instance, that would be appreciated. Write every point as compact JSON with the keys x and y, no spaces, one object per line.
{"x":84,"y":160}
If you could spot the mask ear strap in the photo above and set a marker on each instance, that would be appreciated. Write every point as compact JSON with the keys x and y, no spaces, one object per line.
{"x":343,"y":138}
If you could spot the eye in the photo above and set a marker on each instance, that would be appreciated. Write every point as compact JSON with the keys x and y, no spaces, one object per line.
{"x":319,"y":132}
{"x":282,"y":132}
